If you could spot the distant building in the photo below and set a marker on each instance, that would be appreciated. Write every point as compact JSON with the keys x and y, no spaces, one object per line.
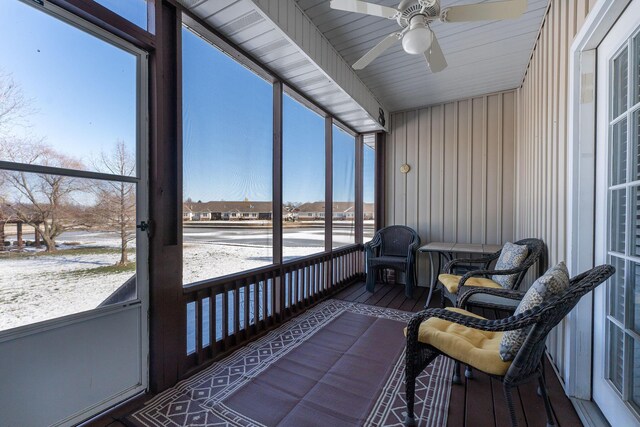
{"x":341,"y":211}
{"x":246,"y":210}
{"x":227,"y":211}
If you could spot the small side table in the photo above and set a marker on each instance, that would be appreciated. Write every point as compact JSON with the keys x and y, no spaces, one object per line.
{"x":446,"y":251}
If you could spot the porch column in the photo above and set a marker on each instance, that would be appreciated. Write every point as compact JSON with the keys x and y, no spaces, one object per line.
{"x":19,"y":232}
{"x":167,"y":311}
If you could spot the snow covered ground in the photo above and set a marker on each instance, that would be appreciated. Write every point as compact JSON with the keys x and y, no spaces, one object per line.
{"x":34,"y":287}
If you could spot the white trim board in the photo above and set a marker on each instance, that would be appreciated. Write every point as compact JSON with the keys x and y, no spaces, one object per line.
{"x":582,"y":186}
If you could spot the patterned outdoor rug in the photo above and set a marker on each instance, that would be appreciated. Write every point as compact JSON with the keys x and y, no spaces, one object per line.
{"x":339,"y":364}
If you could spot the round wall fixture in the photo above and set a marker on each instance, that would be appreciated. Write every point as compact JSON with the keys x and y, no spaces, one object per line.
{"x":405,"y":168}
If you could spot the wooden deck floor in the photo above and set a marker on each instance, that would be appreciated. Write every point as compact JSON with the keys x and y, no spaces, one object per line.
{"x":479,"y":401}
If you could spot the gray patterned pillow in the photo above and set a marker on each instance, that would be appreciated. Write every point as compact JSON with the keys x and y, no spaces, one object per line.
{"x":550,"y":284}
{"x":512,"y":256}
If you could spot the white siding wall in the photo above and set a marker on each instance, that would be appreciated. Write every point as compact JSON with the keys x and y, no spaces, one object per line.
{"x":541,"y":150}
{"x":461,"y":183}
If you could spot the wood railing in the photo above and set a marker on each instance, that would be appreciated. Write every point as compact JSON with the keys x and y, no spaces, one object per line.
{"x":224,"y":314}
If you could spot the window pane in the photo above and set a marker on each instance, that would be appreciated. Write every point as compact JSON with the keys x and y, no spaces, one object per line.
{"x":618,"y":155}
{"x":635,"y":221}
{"x":134,"y":11}
{"x":620,"y":83}
{"x":344,"y":192}
{"x":227,"y":164}
{"x":636,"y":69}
{"x":78,"y":102}
{"x":82,"y":256}
{"x":618,"y":215}
{"x":635,"y":375}
{"x":303,"y":178}
{"x":635,"y":296}
{"x":368,"y":181}
{"x":616,"y":355}
{"x":635,"y":160}
{"x":616,"y":289}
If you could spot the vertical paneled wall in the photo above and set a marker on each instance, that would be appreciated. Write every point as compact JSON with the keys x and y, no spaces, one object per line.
{"x":461,"y":183}
{"x":541,"y":148}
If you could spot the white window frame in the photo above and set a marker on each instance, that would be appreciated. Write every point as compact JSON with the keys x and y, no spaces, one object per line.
{"x":581,"y":212}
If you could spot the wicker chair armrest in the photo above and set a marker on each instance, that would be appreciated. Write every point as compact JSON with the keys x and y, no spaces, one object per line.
{"x":475,"y":273}
{"x":466,"y":292}
{"x":373,"y":244}
{"x":483,"y":260}
{"x":413,"y":247}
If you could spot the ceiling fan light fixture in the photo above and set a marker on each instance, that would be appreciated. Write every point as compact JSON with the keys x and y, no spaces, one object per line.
{"x":418,"y":39}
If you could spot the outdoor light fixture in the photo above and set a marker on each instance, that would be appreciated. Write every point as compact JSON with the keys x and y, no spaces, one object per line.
{"x":418,"y":39}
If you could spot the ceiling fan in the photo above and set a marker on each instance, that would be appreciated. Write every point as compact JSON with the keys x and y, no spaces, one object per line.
{"x":414,"y":16}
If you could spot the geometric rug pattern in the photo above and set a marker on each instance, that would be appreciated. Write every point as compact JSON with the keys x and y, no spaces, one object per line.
{"x":229,"y":393}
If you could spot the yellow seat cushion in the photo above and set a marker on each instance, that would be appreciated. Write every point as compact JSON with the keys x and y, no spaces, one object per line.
{"x":450,"y":281}
{"x":480,"y":349}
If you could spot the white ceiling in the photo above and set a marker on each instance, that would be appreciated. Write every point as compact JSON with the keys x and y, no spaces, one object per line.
{"x":312,"y":47}
{"x":483,"y":57}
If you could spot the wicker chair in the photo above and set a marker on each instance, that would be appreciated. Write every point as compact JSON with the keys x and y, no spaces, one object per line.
{"x":536,"y":249}
{"x":393,"y":247}
{"x":528,"y":362}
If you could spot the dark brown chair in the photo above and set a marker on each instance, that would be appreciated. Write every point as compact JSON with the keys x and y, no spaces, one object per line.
{"x":393,"y":247}
{"x":528,"y":361}
{"x":480,"y":278}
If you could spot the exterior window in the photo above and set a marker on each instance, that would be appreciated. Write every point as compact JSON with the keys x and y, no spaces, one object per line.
{"x":303,"y":180}
{"x":135,"y":11}
{"x":623,"y":243}
{"x":344,"y":162}
{"x":227,"y":163}
{"x":368,"y":186}
{"x":68,"y":241}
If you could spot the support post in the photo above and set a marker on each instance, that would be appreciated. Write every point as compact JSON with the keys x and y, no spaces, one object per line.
{"x":379,"y":187}
{"x":359,"y":208}
{"x":167,"y":309}
{"x":328,"y":184}
{"x":277,"y":173}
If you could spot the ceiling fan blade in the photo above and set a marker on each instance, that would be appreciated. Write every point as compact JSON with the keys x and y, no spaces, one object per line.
{"x":364,"y":7}
{"x":494,"y":11}
{"x":377,"y":50}
{"x":434,"y":56}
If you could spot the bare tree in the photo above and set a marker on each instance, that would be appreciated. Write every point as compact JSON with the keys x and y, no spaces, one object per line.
{"x":116,"y":201}
{"x":14,"y":107}
{"x":43,"y":201}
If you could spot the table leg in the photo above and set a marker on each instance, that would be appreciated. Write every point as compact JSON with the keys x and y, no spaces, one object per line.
{"x":435,"y":272}
{"x":433,"y":280}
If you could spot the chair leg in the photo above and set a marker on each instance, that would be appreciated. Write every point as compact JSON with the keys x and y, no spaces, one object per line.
{"x":410,"y":392}
{"x":512,"y":409}
{"x":456,"y":373}
{"x":468,"y":372}
{"x":409,"y":282}
{"x":371,"y":279}
{"x":539,"y":390}
{"x":542,"y":386}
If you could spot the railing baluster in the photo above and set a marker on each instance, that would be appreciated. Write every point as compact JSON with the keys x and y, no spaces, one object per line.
{"x":256,"y":302}
{"x":236,"y":310}
{"x":225,"y":318}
